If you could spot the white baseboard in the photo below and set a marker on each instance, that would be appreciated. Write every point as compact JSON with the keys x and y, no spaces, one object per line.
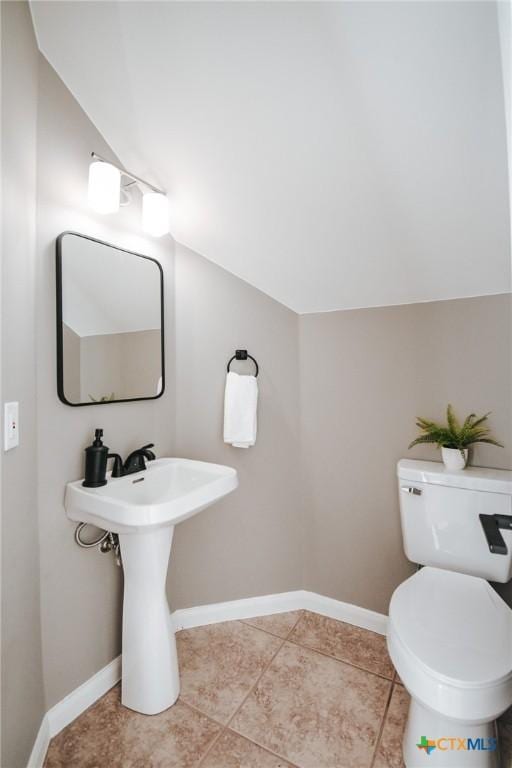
{"x":82,"y":697}
{"x":248,"y":608}
{"x":67,"y":710}
{"x":41,"y":744}
{"x":351,"y":614}
{"x":86,"y":694}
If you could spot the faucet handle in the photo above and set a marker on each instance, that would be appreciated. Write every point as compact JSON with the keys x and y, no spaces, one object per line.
{"x":117,"y":467}
{"x":150,"y":455}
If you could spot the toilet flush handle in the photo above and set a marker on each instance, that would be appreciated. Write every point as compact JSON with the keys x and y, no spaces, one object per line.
{"x":411,"y":489}
{"x":491,"y":525}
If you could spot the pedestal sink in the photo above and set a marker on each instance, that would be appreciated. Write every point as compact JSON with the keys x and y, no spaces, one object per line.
{"x":143,"y":509}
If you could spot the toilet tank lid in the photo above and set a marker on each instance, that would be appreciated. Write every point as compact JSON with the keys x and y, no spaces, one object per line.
{"x":472,"y":478}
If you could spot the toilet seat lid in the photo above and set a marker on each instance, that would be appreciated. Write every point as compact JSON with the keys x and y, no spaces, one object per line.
{"x":455,"y":625}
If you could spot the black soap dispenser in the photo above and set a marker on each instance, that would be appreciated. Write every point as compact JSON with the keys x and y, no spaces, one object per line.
{"x":96,"y":462}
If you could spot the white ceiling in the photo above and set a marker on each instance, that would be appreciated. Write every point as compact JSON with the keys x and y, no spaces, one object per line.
{"x":334,"y":155}
{"x":106,"y":290}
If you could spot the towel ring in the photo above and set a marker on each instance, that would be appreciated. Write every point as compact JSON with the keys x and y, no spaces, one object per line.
{"x":241,"y":354}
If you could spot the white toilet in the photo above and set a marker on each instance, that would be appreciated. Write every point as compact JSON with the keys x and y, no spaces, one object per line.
{"x":449,"y":632}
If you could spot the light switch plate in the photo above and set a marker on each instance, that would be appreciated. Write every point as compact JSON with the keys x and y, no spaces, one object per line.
{"x":11,"y":426}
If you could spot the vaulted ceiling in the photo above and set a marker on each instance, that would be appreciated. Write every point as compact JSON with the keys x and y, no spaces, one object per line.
{"x":334,"y":155}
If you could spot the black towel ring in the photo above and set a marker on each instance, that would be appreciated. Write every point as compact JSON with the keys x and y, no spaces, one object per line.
{"x":241,"y":354}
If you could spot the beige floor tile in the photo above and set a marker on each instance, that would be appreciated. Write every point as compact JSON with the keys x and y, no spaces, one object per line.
{"x":233,"y":751}
{"x":278,"y":624}
{"x":220,"y":663}
{"x":315,"y":711}
{"x":389,"y":751}
{"x":345,"y":642}
{"x":110,"y":736}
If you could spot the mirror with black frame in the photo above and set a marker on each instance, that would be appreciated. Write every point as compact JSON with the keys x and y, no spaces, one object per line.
{"x":110,"y":331}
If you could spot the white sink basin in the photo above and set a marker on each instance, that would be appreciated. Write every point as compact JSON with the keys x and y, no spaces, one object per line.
{"x":143,"y":509}
{"x":167,"y":492}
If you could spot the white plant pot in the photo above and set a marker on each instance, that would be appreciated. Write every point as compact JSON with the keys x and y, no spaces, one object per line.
{"x":453,"y":458}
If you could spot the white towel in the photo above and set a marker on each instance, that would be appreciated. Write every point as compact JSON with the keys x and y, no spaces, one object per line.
{"x":240,"y":407}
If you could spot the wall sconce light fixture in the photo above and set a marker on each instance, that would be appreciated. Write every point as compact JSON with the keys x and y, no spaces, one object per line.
{"x":155,"y":213}
{"x":105,"y":191}
{"x":104,"y":187}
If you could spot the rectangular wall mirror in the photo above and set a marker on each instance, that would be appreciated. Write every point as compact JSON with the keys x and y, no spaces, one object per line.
{"x":110,"y":330}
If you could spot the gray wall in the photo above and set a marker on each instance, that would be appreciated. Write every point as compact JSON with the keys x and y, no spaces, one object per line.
{"x":317,"y":505}
{"x":80,"y":589}
{"x":128,"y":364}
{"x":142,"y":362}
{"x":71,"y":364}
{"x":101,"y":367}
{"x":365,"y":375}
{"x":22,"y":684}
{"x":249,"y":543}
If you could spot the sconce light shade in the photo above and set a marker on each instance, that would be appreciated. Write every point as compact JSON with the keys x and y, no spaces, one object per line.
{"x":104,"y":187}
{"x":155,"y":214}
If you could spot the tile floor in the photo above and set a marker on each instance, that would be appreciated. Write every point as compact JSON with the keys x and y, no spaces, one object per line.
{"x":293,"y":690}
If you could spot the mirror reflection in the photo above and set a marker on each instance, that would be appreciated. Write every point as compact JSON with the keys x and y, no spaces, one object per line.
{"x":110,"y":330}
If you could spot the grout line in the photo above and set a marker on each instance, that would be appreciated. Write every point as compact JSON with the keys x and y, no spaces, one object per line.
{"x":261,"y":746}
{"x":341,"y":661}
{"x":235,"y":713}
{"x":383,"y":722}
{"x":223,"y":728}
{"x":266,"y":668}
{"x":390,"y":681}
{"x":266,"y":749}
{"x":268,"y":632}
{"x":284,"y":640}
{"x":226,"y":726}
{"x":397,"y":680}
{"x":322,"y":653}
{"x":211,"y":746}
{"x":302,"y":613}
{"x":200,"y":711}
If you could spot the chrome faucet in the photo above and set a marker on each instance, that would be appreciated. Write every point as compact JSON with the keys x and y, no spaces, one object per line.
{"x":136,"y":461}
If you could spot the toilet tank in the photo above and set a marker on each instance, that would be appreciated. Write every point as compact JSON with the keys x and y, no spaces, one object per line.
{"x":440,"y":510}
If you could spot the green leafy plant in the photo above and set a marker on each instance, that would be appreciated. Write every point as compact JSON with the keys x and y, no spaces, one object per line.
{"x":453,"y":434}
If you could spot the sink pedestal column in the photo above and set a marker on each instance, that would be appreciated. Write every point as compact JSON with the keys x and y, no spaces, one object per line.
{"x":150,"y":678}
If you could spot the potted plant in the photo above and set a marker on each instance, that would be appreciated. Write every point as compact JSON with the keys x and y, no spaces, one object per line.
{"x":454,"y":439}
